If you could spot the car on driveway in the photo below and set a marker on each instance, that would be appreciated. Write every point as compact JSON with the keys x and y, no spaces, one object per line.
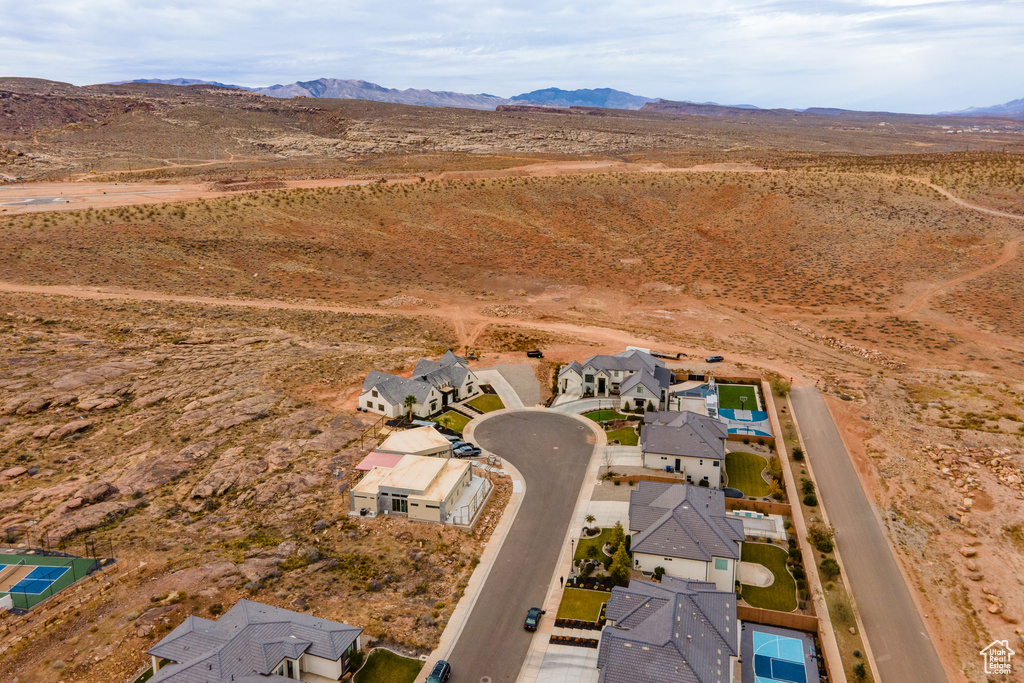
{"x":441,"y":672}
{"x":467,"y":451}
{"x":714,"y":359}
{"x":532,"y":618}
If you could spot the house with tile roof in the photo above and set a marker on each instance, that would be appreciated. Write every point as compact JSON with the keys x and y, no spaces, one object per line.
{"x":434,"y":384}
{"x":676,"y":630}
{"x":255,"y":642}
{"x":640,"y":380}
{"x":684,"y":530}
{"x":686,"y":442}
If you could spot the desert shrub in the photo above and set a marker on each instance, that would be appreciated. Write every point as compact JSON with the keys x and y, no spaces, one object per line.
{"x":798,"y":453}
{"x":806,"y":485}
{"x":820,"y":536}
{"x":830,"y":568}
{"x":810,"y":500}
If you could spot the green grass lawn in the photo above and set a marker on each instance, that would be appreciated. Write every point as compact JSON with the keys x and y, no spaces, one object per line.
{"x":604,"y":415}
{"x":626,"y":436}
{"x":729,"y":396}
{"x":581,"y":604}
{"x":781,"y":595}
{"x":744,"y":471}
{"x":599,"y":541}
{"x":486,"y":403}
{"x":456,"y":421}
{"x":383,"y":666}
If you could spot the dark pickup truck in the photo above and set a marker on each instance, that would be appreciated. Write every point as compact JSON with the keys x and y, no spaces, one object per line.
{"x":534,"y":354}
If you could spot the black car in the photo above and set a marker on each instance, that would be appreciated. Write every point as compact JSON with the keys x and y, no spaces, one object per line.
{"x":534,"y":354}
{"x":441,"y":672}
{"x":714,"y":359}
{"x":532,"y":618}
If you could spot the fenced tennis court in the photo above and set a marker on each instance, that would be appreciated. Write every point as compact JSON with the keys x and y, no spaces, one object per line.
{"x":30,"y":579}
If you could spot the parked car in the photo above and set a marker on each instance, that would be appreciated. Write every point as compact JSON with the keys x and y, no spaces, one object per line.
{"x":714,"y":359}
{"x":532,"y":618}
{"x":452,"y":438}
{"x":441,"y":672}
{"x":467,"y":451}
{"x":534,"y":354}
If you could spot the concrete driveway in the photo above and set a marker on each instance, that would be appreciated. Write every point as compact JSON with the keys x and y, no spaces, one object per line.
{"x":551,"y":453}
{"x":902,"y":649}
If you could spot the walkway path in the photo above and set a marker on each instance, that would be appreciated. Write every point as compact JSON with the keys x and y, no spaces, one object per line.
{"x":902,"y":650}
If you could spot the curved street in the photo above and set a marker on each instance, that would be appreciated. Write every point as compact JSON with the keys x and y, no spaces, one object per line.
{"x":551,"y":452}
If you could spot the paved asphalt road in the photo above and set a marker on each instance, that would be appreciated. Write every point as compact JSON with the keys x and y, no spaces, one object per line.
{"x":551,"y":452}
{"x":902,"y":649}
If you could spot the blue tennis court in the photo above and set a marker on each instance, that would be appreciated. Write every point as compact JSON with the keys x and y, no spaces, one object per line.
{"x":38,"y":581}
{"x":778,"y":659}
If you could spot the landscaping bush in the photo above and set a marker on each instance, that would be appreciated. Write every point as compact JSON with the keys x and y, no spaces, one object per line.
{"x":658,"y":573}
{"x":780,"y":386}
{"x":798,"y":573}
{"x":830,"y":568}
{"x":356,"y":660}
{"x":620,"y":567}
{"x":860,"y":671}
{"x":617,"y":539}
{"x":704,"y":482}
{"x":798,"y":453}
{"x":820,"y":536}
{"x":810,"y":500}
{"x":806,"y":486}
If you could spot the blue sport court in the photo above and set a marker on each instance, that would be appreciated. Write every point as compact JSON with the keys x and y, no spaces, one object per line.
{"x":38,"y":580}
{"x":778,"y":659}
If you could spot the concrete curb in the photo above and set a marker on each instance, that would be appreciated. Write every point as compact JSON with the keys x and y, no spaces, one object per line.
{"x":457,"y":622}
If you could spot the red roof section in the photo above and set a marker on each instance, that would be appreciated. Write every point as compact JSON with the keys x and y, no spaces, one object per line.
{"x":379,"y":460}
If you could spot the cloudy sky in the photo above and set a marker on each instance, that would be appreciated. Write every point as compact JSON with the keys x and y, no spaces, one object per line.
{"x":896,"y":55}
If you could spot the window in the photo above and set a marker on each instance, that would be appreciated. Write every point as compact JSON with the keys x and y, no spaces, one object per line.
{"x":374,"y":393}
{"x":717,"y":464}
{"x":433,"y":406}
{"x":369,"y":404}
{"x":588,"y":378}
{"x":399,"y":505}
{"x":721,"y":565}
{"x":639,"y":390}
{"x":380,"y":406}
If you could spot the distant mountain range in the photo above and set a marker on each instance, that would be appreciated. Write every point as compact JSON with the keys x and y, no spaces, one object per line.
{"x":1014,"y":109}
{"x":364,"y":90}
{"x":604,"y":98}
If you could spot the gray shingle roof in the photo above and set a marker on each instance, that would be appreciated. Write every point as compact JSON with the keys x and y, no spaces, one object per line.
{"x":631,"y":360}
{"x":250,"y":639}
{"x":679,"y":520}
{"x":683,"y":433}
{"x":571,"y":366}
{"x":449,"y":370}
{"x":678,"y":630}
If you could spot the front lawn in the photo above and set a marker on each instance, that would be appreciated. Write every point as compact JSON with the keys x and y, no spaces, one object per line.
{"x":626,"y":436}
{"x":598,"y":541}
{"x":729,"y":396}
{"x":604,"y":415}
{"x":581,"y":604}
{"x":454,"y":421}
{"x":384,"y":666}
{"x":744,"y":471}
{"x":781,"y":595}
{"x":486,"y":403}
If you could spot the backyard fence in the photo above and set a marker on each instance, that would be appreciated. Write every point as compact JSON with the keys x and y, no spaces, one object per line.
{"x":762,"y":506}
{"x":800,"y":622}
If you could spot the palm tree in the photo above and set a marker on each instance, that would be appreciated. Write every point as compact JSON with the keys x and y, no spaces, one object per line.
{"x":410,"y":401}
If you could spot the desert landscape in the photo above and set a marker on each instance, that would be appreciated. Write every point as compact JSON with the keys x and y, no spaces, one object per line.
{"x":195,"y":281}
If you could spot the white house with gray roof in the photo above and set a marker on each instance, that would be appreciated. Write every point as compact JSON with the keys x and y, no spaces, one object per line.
{"x":255,"y":642}
{"x":640,"y":380}
{"x":434,"y":384}
{"x":686,"y":442}
{"x":684,"y":529}
{"x":678,"y":630}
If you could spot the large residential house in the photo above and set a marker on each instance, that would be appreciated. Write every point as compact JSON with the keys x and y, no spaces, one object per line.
{"x":684,"y":530}
{"x":678,"y":630}
{"x":423,"y":488}
{"x":434,"y":384}
{"x":640,"y":380}
{"x":685,"y":442}
{"x":255,"y":642}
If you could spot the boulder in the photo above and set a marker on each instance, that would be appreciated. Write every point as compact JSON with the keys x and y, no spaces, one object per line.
{"x":69,"y":429}
{"x":43,"y":431}
{"x":33,"y":405}
{"x":968,"y":552}
{"x":13,"y":472}
{"x":259,"y":568}
{"x":96,"y":491}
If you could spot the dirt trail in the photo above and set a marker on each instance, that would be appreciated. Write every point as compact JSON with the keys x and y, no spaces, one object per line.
{"x":467,"y":323}
{"x":1009,"y":249}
